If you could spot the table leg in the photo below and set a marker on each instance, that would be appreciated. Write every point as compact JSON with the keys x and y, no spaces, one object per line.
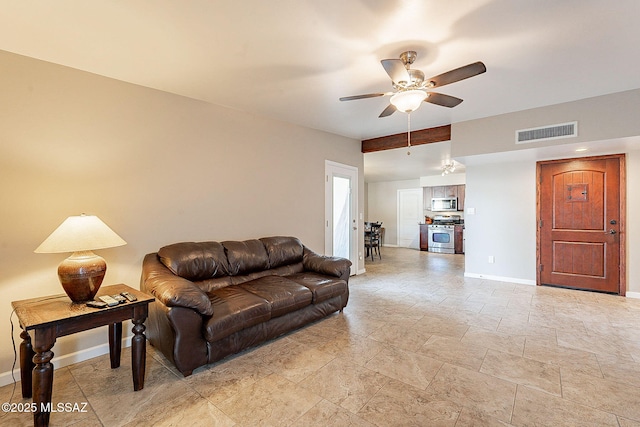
{"x":115,"y":344}
{"x":139,"y":347}
{"x":26,"y":364}
{"x":43,"y":375}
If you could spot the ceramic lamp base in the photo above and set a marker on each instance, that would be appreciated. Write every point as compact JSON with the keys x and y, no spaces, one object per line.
{"x":81,"y":275}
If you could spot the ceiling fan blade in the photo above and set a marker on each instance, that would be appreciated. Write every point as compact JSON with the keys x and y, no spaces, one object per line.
{"x":458,"y":74}
{"x":368,"y":95}
{"x":443,"y":100}
{"x":388,"y":111}
{"x":396,"y":70}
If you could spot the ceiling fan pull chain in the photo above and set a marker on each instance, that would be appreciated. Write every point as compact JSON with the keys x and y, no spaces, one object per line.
{"x":408,"y":134}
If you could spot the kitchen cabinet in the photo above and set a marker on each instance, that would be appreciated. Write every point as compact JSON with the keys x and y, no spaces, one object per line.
{"x":458,"y":237}
{"x":445,"y":191}
{"x":424,"y":237}
{"x":426,"y":197}
{"x":461,"y":190}
{"x":437,"y":191}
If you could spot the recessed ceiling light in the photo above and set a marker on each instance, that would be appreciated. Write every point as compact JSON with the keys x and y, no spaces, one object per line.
{"x":579,"y":150}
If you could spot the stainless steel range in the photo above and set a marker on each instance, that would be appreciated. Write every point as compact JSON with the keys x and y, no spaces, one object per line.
{"x":441,"y":233}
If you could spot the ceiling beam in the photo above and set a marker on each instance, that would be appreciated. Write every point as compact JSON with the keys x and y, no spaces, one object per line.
{"x":399,"y":140}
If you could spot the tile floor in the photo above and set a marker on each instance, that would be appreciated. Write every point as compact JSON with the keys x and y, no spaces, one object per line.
{"x":418,"y":345}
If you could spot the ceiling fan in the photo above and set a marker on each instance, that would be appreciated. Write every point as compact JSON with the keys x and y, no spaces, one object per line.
{"x":411,"y":88}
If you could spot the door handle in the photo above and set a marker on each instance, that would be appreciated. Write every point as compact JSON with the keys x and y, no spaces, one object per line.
{"x":612,"y":231}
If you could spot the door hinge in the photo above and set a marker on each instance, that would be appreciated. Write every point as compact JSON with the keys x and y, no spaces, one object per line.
{"x":540,"y":223}
{"x":541,"y":267}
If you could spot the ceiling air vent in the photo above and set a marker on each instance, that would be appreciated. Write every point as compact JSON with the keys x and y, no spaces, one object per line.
{"x":545,"y":133}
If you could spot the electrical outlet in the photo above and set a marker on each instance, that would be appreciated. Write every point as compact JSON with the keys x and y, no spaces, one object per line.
{"x":492,"y":259}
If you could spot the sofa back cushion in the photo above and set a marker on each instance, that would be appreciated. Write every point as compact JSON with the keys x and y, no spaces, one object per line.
{"x":195,"y":260}
{"x":210,"y":262}
{"x":283,"y":250}
{"x":246,"y":257}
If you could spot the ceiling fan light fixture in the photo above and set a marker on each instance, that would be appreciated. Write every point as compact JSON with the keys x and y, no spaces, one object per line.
{"x":409,"y":100}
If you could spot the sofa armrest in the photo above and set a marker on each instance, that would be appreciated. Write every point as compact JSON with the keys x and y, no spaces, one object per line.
{"x":332,"y":266}
{"x":172,"y":290}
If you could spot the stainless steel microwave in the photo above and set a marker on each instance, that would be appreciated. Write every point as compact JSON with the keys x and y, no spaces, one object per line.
{"x":444,"y":204}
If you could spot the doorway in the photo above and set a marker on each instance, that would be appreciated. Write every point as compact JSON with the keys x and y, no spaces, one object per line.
{"x":410,"y":213}
{"x":341,"y":207}
{"x":581,"y":223}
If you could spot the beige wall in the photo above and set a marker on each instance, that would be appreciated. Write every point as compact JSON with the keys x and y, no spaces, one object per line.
{"x":601,"y":118}
{"x":504,"y":223}
{"x":156,"y":167}
{"x":501,"y":179}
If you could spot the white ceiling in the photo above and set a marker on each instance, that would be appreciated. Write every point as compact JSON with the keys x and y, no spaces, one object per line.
{"x":292,"y":59}
{"x":394,"y":165}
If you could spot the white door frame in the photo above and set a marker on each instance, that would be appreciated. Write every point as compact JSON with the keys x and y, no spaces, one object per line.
{"x":351,"y":172}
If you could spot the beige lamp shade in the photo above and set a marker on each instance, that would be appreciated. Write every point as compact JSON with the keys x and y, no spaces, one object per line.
{"x":80,"y":233}
{"x":82,"y":273}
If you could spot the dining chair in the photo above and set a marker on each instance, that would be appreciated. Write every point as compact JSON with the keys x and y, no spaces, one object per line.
{"x":372,"y":240}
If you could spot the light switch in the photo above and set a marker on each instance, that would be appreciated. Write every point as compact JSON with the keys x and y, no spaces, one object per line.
{"x":471,"y":211}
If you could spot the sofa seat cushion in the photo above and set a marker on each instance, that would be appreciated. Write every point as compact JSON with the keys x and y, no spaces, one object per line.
{"x":283,"y":295}
{"x":322,"y":287}
{"x":234,"y":309}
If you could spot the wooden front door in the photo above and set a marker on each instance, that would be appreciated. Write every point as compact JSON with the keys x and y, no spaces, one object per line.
{"x":580,"y":223}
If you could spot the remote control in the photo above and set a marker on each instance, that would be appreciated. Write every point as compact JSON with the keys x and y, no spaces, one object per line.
{"x":128,"y":296}
{"x":119,"y":298}
{"x":108,"y":300}
{"x":96,"y":304}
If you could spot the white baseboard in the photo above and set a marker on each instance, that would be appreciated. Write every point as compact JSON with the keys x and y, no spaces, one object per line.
{"x":389,"y":245}
{"x":635,"y":295}
{"x":501,"y":278}
{"x":361,"y":271}
{"x":63,"y":360}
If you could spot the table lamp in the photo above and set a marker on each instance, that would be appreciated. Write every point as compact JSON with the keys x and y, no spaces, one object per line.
{"x":81,"y":274}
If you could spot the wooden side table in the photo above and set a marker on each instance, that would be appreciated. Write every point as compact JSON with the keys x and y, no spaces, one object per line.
{"x":44,"y":319}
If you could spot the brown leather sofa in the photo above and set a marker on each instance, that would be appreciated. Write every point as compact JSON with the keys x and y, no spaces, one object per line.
{"x":216,"y":299}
